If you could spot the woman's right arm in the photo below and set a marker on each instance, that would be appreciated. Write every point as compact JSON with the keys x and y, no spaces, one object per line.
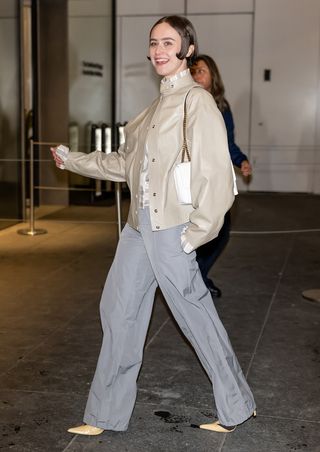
{"x":97,"y":164}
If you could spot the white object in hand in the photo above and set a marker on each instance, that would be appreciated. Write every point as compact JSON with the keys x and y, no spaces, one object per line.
{"x":62,"y":152}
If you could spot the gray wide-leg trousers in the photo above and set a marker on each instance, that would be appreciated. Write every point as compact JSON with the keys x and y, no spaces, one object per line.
{"x":144,"y":260}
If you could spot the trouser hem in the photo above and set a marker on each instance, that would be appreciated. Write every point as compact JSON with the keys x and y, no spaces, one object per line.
{"x":91,"y":420}
{"x":239,"y":420}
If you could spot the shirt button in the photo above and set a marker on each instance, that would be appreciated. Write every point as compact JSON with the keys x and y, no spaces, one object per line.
{"x":154,"y":194}
{"x":156,"y":210}
{"x":153,"y":160}
{"x":136,"y":196}
{"x":157,"y":227}
{"x":153,"y":126}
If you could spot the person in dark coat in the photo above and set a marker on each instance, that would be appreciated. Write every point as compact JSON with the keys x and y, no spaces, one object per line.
{"x":205,"y":72}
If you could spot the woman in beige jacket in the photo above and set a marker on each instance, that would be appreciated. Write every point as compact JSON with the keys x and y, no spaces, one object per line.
{"x":157,"y":245}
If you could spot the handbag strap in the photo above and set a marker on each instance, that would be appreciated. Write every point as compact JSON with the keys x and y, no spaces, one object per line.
{"x":185,"y":149}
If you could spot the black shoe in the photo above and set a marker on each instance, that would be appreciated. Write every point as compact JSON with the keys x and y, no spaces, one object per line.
{"x":214,"y":290}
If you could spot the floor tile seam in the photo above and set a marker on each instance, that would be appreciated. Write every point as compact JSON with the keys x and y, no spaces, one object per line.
{"x":33,"y":391}
{"x":259,"y":415}
{"x":39,"y":345}
{"x":223,"y":440}
{"x":276,"y":232}
{"x":55,"y":271}
{"x":69,"y":225}
{"x":80,"y":222}
{"x":74,"y":261}
{"x":276,"y":418}
{"x":176,"y":405}
{"x":34,"y":245}
{"x":273,"y":297}
{"x":154,"y":404}
{"x":70,"y":443}
{"x":286,"y":418}
{"x":25,"y":289}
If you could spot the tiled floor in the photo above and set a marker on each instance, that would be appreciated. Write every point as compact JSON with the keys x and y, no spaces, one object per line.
{"x":50,"y":335}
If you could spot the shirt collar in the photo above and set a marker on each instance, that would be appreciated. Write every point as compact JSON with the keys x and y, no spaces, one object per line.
{"x":168,"y":84}
{"x":175,"y":77}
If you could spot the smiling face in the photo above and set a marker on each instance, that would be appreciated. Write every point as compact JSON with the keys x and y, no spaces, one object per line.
{"x":165,"y":44}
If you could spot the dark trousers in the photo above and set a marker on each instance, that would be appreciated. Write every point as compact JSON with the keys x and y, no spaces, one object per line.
{"x":208,"y":253}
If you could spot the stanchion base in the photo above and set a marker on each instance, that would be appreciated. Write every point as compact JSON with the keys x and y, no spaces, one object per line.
{"x":312,"y":295}
{"x":32,"y":231}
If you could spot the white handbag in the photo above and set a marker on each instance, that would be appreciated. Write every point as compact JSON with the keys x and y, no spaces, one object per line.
{"x":182,"y":171}
{"x":182,"y":174}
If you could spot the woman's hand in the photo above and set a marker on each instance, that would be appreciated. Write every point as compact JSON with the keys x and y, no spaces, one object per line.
{"x":246,"y":168}
{"x":60,"y":155}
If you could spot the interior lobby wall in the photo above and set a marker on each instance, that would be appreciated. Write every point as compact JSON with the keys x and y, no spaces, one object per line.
{"x":276,"y":120}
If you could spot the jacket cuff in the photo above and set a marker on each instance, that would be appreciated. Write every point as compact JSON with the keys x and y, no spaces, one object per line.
{"x":186,"y":246}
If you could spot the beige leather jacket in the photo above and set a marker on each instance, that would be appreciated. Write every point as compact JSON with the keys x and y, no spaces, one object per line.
{"x":161,"y":127}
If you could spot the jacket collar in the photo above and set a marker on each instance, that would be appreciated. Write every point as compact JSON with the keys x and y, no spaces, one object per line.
{"x":172,"y":84}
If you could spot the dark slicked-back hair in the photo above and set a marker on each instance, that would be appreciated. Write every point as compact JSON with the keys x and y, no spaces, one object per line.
{"x":188,"y":35}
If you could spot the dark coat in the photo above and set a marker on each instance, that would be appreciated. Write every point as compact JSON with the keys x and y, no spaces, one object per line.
{"x":237,"y":156}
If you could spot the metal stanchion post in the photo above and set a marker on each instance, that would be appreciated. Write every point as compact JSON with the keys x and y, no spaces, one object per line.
{"x":118,"y":203}
{"x":31,"y":230}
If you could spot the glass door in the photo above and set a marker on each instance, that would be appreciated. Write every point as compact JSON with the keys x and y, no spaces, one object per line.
{"x":10,"y":130}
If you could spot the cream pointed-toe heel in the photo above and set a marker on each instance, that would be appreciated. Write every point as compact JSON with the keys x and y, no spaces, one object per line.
{"x":86,"y":430}
{"x":217,"y":427}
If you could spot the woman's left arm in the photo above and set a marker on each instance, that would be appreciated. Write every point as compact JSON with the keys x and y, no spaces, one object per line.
{"x":211,"y":168}
{"x":238,"y":158}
